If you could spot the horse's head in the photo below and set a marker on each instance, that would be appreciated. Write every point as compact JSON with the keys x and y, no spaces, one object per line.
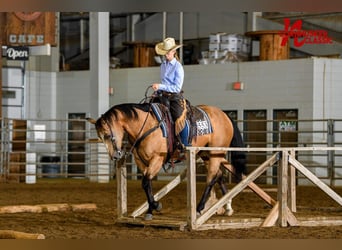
{"x":111,"y":134}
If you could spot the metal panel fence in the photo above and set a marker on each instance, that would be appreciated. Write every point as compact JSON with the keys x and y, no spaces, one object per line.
{"x":68,"y":148}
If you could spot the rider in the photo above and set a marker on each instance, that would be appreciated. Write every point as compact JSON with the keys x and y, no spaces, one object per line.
{"x":170,"y":87}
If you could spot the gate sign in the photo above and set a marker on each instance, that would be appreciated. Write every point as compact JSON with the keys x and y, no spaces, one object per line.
{"x":287,"y":126}
{"x":17,"y":53}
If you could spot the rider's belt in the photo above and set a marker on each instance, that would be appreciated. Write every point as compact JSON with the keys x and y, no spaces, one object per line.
{"x":168,"y":94}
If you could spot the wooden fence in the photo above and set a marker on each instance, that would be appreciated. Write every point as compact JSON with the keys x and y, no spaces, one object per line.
{"x":283,"y":209}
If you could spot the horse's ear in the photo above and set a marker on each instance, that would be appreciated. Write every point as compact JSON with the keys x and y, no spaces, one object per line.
{"x":91,"y":120}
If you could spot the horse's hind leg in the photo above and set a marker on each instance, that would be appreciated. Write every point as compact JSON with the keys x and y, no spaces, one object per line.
{"x":152,"y":204}
{"x":221,"y":182}
{"x":206,"y":194}
{"x":214,"y":175}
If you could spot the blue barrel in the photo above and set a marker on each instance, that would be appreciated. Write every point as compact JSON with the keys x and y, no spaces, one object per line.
{"x":50,"y":168}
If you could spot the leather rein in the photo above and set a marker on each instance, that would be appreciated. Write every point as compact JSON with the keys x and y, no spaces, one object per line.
{"x":138,"y":140}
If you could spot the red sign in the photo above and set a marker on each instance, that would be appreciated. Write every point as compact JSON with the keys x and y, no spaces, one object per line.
{"x":301,"y":36}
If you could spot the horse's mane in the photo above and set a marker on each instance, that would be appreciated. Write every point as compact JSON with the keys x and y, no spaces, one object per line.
{"x":128,"y":109}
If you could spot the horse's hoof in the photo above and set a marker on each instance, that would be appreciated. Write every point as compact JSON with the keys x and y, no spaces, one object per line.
{"x":198,"y":214}
{"x":148,"y":217}
{"x":229,"y":212}
{"x":221,"y":211}
{"x":159,"y":207}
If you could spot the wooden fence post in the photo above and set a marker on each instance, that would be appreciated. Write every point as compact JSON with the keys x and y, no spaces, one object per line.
{"x":282,"y":189}
{"x":191,"y":188}
{"x":121,"y":173}
{"x":292,"y":185}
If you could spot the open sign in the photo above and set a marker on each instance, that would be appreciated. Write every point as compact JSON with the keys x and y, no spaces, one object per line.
{"x":18,"y":53}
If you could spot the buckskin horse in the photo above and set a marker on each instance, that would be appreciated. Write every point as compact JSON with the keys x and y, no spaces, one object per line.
{"x":150,"y":146}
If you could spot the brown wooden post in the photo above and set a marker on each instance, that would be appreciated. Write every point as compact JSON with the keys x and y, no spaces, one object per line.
{"x":282,"y":189}
{"x":191,"y":188}
{"x":292,"y":185}
{"x":121,"y":173}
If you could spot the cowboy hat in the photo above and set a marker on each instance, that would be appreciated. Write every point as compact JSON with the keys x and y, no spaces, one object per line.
{"x":166,"y":45}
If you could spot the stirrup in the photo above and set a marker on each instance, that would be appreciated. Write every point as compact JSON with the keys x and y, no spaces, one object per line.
{"x":178,"y":156}
{"x":180,"y":146}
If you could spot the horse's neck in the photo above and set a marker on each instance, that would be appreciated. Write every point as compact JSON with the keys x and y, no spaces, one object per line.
{"x":136,"y":128}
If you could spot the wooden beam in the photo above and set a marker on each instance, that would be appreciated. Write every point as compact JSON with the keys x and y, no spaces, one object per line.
{"x":273,"y":216}
{"x":235,"y":190}
{"x":254,"y":187}
{"x":83,"y":207}
{"x":161,"y":193}
{"x":191,"y":189}
{"x":314,"y":179}
{"x":121,"y":182}
{"x":62,"y":207}
{"x":291,"y":218}
{"x":282,"y":189}
{"x":292,"y":185}
{"x":10,"y":234}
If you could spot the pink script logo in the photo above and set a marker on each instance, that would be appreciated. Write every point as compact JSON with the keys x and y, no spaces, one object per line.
{"x":302,"y":37}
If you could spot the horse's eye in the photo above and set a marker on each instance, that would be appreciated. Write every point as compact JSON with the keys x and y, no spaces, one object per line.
{"x":106,"y":137}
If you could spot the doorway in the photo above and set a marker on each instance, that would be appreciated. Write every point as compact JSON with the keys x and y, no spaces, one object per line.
{"x":255,"y":136}
{"x":285,"y":127}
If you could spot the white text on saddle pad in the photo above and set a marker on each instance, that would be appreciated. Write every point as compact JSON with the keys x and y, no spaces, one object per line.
{"x":202,"y":127}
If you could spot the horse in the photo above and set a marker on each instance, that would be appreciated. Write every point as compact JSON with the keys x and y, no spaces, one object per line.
{"x":150,"y":148}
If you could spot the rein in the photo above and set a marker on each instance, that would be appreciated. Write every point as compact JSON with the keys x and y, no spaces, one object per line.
{"x":140,"y":137}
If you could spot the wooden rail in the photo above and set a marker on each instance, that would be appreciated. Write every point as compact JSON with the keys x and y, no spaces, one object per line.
{"x":283,"y":209}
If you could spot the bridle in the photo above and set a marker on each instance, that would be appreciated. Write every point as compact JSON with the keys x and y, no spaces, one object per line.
{"x":112,"y":138}
{"x":140,"y":136}
{"x":138,"y":140}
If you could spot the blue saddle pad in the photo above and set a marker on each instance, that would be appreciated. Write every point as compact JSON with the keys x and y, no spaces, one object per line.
{"x":203,"y":124}
{"x":159,"y":115}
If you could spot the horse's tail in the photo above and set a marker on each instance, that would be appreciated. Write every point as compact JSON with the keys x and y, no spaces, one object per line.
{"x":238,"y":158}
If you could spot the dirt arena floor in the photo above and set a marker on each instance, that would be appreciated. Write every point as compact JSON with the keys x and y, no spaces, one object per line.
{"x":102,"y":224}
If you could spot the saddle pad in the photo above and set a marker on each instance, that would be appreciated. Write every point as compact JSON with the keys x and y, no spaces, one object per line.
{"x":159,"y":115}
{"x":203,"y":124}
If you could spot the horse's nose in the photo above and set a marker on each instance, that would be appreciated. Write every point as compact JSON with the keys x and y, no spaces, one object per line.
{"x":118,"y":155}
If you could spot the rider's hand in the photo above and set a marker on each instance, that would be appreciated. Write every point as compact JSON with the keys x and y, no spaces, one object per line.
{"x":155,"y":86}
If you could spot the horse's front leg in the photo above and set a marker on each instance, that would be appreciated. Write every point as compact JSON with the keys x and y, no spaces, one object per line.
{"x":152,"y":204}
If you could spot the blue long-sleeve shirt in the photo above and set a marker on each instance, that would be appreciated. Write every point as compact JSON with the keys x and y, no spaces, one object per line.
{"x":172,"y":76}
